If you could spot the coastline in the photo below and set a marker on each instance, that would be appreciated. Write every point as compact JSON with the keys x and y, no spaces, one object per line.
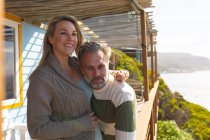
{"x":192,"y":86}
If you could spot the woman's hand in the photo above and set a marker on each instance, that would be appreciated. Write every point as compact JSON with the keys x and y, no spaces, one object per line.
{"x":120,"y":75}
{"x":94,"y":120}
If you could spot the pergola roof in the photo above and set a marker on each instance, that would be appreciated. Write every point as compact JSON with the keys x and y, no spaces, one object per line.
{"x":112,"y":21}
{"x":119,"y":31}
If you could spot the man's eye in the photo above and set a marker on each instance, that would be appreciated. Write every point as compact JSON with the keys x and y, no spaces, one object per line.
{"x":101,"y":67}
{"x":63,"y":33}
{"x":90,"y":69}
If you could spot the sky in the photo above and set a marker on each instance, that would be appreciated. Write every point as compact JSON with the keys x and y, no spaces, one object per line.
{"x":183,"y":26}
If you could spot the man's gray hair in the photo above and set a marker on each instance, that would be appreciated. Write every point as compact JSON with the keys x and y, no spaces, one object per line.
{"x":91,"y":47}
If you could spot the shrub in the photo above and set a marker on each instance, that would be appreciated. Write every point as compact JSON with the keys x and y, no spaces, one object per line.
{"x":168,"y":130}
{"x":126,"y":62}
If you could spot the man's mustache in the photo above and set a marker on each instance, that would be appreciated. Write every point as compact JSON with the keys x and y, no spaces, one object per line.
{"x":97,"y":78}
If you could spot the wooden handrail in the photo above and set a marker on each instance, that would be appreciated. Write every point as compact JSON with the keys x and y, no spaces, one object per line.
{"x":147,"y":116}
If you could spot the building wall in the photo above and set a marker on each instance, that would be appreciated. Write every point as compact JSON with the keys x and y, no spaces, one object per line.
{"x":32,"y":38}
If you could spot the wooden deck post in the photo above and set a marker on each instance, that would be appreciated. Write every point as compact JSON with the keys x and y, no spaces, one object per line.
{"x":2,"y":87}
{"x":152,"y":60}
{"x":144,"y":53}
{"x":113,"y":61}
{"x":152,"y":125}
{"x":156,"y":107}
{"x":156,"y":69}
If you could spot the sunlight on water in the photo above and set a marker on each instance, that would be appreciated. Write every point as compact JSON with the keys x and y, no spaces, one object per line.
{"x":195,"y":87}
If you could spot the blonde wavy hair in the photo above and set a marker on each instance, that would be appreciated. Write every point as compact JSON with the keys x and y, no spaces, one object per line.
{"x":47,"y":46}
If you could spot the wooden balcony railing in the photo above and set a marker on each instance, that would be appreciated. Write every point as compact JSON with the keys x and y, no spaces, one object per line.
{"x":147,"y":116}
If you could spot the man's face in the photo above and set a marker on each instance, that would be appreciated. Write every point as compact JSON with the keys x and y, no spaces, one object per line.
{"x":94,"y":66}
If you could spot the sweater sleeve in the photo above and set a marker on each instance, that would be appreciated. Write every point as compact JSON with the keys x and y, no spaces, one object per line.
{"x":39,"y":112}
{"x":125,"y":127}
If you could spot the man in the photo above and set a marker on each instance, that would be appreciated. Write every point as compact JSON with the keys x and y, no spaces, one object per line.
{"x":114,"y":103}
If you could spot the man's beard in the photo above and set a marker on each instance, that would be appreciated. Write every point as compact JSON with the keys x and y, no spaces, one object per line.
{"x":95,"y":84}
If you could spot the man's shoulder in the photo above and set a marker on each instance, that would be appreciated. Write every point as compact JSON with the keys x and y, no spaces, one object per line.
{"x":122,"y":87}
{"x":122,"y":92}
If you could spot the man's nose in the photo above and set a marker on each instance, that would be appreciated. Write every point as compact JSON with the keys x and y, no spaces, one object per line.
{"x":96,"y":73}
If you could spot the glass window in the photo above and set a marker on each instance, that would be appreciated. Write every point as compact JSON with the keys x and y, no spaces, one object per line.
{"x":13,"y":61}
{"x":9,"y":53}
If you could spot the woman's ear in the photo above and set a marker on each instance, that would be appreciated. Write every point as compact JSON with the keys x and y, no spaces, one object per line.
{"x":50,"y":39}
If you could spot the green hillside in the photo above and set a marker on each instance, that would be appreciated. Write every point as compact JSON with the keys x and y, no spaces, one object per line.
{"x":189,"y":117}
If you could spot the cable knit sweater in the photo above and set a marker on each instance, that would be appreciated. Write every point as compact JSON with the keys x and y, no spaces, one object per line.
{"x":115,"y":107}
{"x":57,"y":108}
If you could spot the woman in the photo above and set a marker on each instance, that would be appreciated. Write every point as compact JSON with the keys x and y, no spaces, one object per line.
{"x":58,"y":98}
{"x":57,"y":107}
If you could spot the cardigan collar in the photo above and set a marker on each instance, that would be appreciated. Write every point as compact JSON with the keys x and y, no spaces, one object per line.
{"x":54,"y":63}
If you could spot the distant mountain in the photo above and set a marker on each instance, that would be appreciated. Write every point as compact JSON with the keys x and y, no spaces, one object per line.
{"x":181,"y":62}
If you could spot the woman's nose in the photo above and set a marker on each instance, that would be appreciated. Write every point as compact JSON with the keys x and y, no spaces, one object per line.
{"x":69,"y":36}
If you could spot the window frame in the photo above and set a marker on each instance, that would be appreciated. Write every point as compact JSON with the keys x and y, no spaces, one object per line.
{"x":15,"y":22}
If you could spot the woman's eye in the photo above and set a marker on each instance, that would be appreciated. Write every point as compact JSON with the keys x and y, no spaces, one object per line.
{"x":74,"y":34}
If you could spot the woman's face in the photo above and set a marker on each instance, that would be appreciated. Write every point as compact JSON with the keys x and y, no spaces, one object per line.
{"x":64,"y":39}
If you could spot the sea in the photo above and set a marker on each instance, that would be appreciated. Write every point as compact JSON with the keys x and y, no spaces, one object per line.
{"x":194,"y":87}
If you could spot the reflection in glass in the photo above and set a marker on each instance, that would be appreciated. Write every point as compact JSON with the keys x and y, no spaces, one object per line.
{"x":9,"y":53}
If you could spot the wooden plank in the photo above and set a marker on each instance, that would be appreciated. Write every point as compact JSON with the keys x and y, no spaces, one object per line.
{"x":118,"y":30}
{"x":2,"y":87}
{"x":42,"y":10}
{"x":144,"y":114}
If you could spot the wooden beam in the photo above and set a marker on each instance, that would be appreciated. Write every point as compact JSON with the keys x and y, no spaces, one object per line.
{"x":13,"y":17}
{"x":144,"y":53}
{"x":2,"y":86}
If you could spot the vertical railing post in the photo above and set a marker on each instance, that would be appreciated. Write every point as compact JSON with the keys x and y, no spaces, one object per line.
{"x":152,"y":60}
{"x":156,"y":107}
{"x":152,"y":125}
{"x":156,"y":68}
{"x":113,"y":61}
{"x":2,"y":85}
{"x":144,"y":53}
